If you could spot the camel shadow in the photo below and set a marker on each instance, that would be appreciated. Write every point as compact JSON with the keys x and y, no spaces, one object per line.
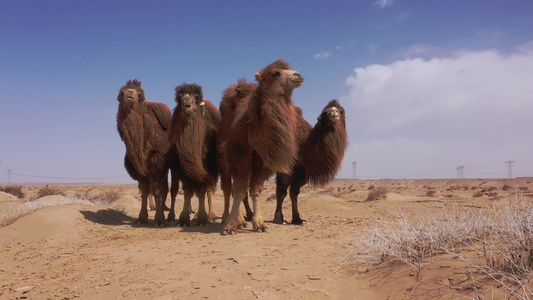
{"x":108,"y":217}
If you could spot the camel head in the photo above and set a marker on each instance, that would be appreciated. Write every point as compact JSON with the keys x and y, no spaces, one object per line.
{"x":332,"y":114}
{"x":190,"y":99}
{"x":279,"y":77}
{"x":131,"y":94}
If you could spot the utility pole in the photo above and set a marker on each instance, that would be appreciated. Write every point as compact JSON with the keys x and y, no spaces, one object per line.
{"x":510,"y":164}
{"x":9,"y":176}
{"x":354,"y":174}
{"x":460,"y":172}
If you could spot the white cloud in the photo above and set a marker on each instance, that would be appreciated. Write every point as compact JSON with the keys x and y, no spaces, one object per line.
{"x":422,"y":113}
{"x":323,"y":55}
{"x":383,"y":3}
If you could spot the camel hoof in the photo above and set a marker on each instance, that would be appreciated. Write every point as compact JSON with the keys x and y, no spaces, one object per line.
{"x":212,"y":217}
{"x":298,"y":221}
{"x":278,"y":219}
{"x":171,"y":217}
{"x":202,"y":222}
{"x":228,"y":232}
{"x":142,"y":221}
{"x":261,"y":229}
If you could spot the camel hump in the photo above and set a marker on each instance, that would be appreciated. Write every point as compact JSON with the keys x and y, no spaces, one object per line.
{"x":162,"y":113}
{"x":236,"y":94}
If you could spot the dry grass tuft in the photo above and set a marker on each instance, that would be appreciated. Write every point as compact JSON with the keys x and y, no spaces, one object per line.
{"x":501,"y":236}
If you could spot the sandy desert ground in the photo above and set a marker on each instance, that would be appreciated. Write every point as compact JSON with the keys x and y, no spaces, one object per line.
{"x":82,"y":251}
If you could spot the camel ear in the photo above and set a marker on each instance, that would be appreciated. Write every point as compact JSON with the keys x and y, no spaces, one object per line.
{"x":258,"y":76}
{"x":345,"y":116}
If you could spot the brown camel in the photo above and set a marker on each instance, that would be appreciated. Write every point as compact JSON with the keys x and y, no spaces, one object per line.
{"x":193,"y":156}
{"x":320,"y":156}
{"x":261,"y":139}
{"x":144,"y":128}
{"x":232,"y":97}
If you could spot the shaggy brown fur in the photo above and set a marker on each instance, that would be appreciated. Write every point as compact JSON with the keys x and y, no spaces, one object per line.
{"x":194,"y":129}
{"x":261,"y":139}
{"x":321,"y":152}
{"x":144,"y":128}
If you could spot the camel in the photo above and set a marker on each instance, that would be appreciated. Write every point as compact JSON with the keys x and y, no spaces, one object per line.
{"x":322,"y":149}
{"x":261,"y":139}
{"x":144,"y":128}
{"x":232,"y":97}
{"x":193,"y":157}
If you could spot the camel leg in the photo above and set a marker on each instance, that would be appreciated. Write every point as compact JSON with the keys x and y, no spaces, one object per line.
{"x":298,"y":181}
{"x":257,"y":219}
{"x":249,"y":212}
{"x":225,"y":215}
{"x":211,"y":214}
{"x":235,"y":218}
{"x":160,"y":191}
{"x":145,"y":190}
{"x":282,"y":184}
{"x":225,"y":185}
{"x":185,"y":218}
{"x":201,"y":216}
{"x":151,"y":202}
{"x":174,"y":188}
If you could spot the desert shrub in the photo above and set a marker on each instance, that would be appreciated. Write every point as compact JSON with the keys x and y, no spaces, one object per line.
{"x":490,"y":188}
{"x":107,"y":196}
{"x":371,"y":187}
{"x":377,"y":194}
{"x":479,"y":194}
{"x":431,"y":193}
{"x":506,"y":187}
{"x":48,"y":191}
{"x":523,"y":188}
{"x":15,"y":190}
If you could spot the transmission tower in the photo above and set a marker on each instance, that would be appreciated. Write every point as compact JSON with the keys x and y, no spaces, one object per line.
{"x":510,"y":164}
{"x":9,"y":176}
{"x":354,"y":174}
{"x":460,"y":171}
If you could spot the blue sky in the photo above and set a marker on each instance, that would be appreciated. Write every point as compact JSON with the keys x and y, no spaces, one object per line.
{"x":428,"y":85}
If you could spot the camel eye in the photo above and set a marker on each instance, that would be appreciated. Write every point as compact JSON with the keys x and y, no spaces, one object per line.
{"x":276,"y":74}
{"x":141,"y":97}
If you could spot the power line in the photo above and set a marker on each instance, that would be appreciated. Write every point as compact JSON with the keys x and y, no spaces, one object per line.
{"x":510,"y":164}
{"x":354,"y":174}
